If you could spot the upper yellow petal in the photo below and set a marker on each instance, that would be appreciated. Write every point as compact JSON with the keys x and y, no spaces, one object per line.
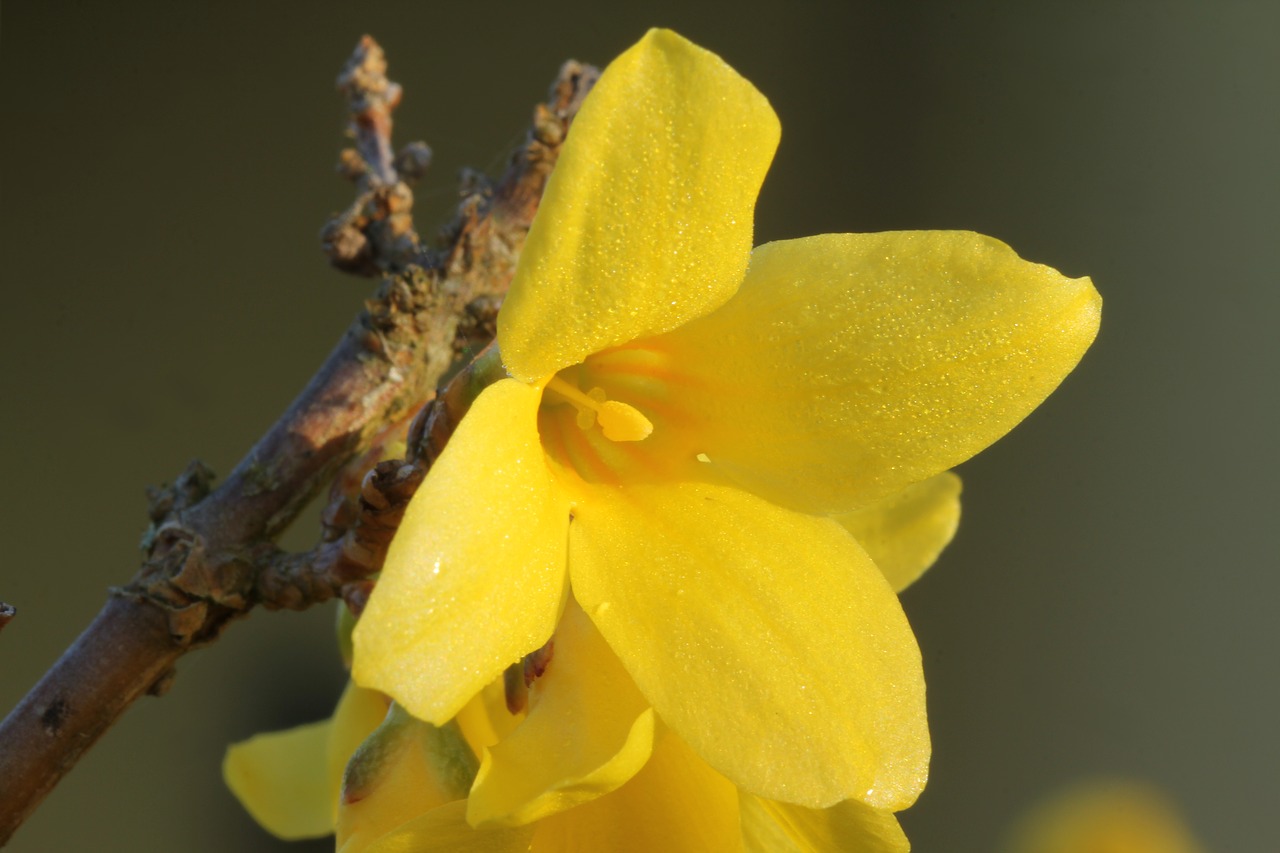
{"x":588,"y":731}
{"x":846,"y":826}
{"x":906,"y":532}
{"x":849,"y":366}
{"x":282,"y":779}
{"x":676,"y":804}
{"x":765,"y":638}
{"x":475,"y":576}
{"x":646,"y":220}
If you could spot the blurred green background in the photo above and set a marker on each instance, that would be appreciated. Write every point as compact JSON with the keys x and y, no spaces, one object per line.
{"x":1109,"y":605}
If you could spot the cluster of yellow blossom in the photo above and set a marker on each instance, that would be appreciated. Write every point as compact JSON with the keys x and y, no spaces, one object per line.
{"x":687,"y":508}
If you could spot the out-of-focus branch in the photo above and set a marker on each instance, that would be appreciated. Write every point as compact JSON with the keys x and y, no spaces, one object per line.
{"x":209,"y":556}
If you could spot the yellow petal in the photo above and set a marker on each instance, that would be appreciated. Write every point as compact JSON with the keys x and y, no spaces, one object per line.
{"x":765,"y":638}
{"x":846,"y":826}
{"x":906,"y":532}
{"x":676,"y":804}
{"x":475,"y":577}
{"x":588,"y":731}
{"x":445,"y":830}
{"x":849,"y":366}
{"x":282,"y":779}
{"x":646,"y":221}
{"x":289,"y":781}
{"x":403,"y":770}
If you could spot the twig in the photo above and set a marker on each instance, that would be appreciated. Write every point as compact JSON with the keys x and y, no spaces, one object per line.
{"x":375,"y":234}
{"x":208,"y":548}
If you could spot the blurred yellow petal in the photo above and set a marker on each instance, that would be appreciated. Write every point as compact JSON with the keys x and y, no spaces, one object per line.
{"x":445,"y":830}
{"x":282,"y":779}
{"x":676,"y":804}
{"x":905,"y":533}
{"x":289,"y":781}
{"x":846,"y":826}
{"x":849,"y":366}
{"x":646,"y":220}
{"x":588,"y":731}
{"x":1104,"y":817}
{"x":475,"y":577}
{"x":766,"y":639}
{"x":404,"y":769}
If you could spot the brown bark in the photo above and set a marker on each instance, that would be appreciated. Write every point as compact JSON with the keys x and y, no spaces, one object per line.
{"x":209,"y":555}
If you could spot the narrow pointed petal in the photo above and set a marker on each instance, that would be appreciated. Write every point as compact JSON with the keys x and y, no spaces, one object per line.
{"x":850,"y":366}
{"x":404,"y":769}
{"x":588,"y":731}
{"x":445,"y":830}
{"x":676,"y":804}
{"x":475,"y":576}
{"x":646,"y":221}
{"x":773,"y":827}
{"x":905,"y":533}
{"x":765,"y":638}
{"x":282,"y":779}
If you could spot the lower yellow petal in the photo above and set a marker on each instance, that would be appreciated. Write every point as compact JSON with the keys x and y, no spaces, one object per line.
{"x":588,"y":731}
{"x":676,"y":804}
{"x":282,"y":779}
{"x":403,"y":770}
{"x":846,"y":826}
{"x":849,"y":366}
{"x":475,"y":576}
{"x":765,"y":638}
{"x":289,"y":781}
{"x":444,"y":829}
{"x":905,"y":533}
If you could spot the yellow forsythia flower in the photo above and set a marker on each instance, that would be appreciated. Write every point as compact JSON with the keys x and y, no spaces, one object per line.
{"x":684,"y":415}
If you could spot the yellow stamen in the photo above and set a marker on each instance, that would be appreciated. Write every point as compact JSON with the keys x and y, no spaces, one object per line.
{"x":618,"y":421}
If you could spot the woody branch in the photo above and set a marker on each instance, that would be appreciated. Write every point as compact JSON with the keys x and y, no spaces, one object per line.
{"x":209,"y":557}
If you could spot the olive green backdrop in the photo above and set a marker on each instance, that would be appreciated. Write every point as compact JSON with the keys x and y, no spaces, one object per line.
{"x":1109,"y":605}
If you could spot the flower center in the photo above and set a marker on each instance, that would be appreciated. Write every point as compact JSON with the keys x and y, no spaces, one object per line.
{"x":618,"y":421}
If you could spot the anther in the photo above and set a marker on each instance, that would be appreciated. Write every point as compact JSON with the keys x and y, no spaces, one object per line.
{"x":618,"y":421}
